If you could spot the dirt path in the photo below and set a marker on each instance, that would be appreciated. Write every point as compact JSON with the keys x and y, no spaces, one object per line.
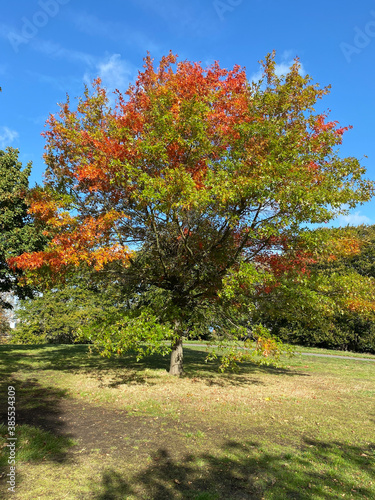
{"x":101,"y":429}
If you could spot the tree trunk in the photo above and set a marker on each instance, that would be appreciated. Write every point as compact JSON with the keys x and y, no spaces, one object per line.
{"x":177,"y":358}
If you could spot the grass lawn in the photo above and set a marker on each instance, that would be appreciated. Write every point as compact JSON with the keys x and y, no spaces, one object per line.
{"x":93,"y":428}
{"x":306,"y":350}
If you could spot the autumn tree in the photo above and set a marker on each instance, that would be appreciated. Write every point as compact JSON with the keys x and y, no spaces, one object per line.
{"x":324,"y":297}
{"x":181,"y":188}
{"x":18,"y":233}
{"x":363,"y":261}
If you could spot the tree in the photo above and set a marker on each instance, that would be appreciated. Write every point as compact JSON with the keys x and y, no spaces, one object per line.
{"x":176,"y":192}
{"x":4,"y":326}
{"x":18,"y":232}
{"x":59,"y":314}
{"x":327,"y":298}
{"x":363,"y":262}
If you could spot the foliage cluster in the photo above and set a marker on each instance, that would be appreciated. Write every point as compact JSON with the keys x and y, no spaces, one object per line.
{"x":58,"y":314}
{"x":4,"y":326}
{"x":18,"y":231}
{"x":333,"y":306}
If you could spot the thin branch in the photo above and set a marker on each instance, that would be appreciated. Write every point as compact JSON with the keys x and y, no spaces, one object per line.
{"x":158,"y":246}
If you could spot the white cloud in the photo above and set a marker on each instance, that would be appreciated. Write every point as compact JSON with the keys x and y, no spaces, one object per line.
{"x":354,"y":219}
{"x":7,"y":136}
{"x":114,"y":72}
{"x":284,"y":67}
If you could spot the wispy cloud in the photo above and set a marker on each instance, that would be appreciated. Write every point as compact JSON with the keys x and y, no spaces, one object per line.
{"x":117,"y":31}
{"x":92,"y":25}
{"x":64,"y":83}
{"x":7,"y":136}
{"x":354,"y":219}
{"x":284,"y":67}
{"x":57,"y":51}
{"x":50,"y":48}
{"x":192,"y":17}
{"x":115,"y":73}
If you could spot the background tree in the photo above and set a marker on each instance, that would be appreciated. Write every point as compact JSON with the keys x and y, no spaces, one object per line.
{"x":192,"y":176}
{"x":18,"y":232}
{"x":4,"y":326}
{"x":363,"y":261}
{"x":330,"y":300}
{"x":58,"y":315}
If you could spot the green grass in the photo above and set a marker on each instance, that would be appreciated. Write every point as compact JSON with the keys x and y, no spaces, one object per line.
{"x":304,"y":431}
{"x":35,"y":445}
{"x":351,"y":354}
{"x":304,"y":349}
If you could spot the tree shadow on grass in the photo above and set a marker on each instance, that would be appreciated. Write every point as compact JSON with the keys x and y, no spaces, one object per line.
{"x":208,"y":372}
{"x":51,"y":357}
{"x":243,"y":471}
{"x":196,"y":369}
{"x":39,"y":428}
{"x":35,"y":404}
{"x":125,"y":370}
{"x":76,"y":359}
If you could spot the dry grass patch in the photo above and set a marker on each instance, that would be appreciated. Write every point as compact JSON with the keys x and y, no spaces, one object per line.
{"x":304,"y":431}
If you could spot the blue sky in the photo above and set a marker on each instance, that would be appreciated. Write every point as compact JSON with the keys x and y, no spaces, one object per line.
{"x":52,"y":47}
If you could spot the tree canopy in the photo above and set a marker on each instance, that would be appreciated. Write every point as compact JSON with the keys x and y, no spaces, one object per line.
{"x":189,"y":185}
{"x":58,"y":315}
{"x":330,"y":301}
{"x":18,"y":233}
